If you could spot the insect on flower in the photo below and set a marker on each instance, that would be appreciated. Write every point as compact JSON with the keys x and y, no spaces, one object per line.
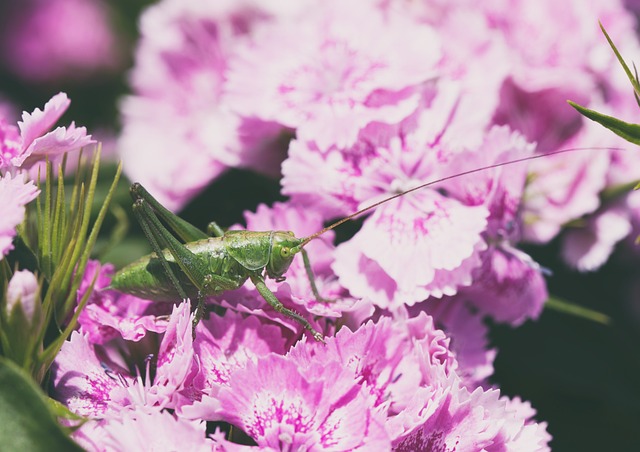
{"x":211,"y":263}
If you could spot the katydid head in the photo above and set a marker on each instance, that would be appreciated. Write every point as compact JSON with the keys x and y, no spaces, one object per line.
{"x":284,"y":246}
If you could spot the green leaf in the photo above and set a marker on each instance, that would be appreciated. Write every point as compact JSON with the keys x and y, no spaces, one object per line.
{"x":576,"y":310}
{"x":26,"y":423}
{"x":630,"y":132}
{"x":632,"y":79}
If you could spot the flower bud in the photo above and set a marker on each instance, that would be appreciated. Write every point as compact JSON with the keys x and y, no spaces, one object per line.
{"x":22,"y":290}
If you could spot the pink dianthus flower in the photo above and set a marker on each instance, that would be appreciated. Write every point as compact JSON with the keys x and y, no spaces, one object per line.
{"x":32,"y":141}
{"x":177,"y":111}
{"x":331,"y":78}
{"x":15,"y":193}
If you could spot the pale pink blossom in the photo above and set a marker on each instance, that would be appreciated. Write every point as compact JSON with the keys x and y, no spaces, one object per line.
{"x":144,"y":430}
{"x":385,"y":357}
{"x":222,"y":346}
{"x":387,"y":160}
{"x":177,"y":111}
{"x":109,"y":314}
{"x":469,"y":337}
{"x":562,"y":188}
{"x":451,"y":417}
{"x":499,"y":189}
{"x":22,"y":291}
{"x":587,"y":248}
{"x":332,"y":79}
{"x":474,"y":88}
{"x":35,"y":140}
{"x":82,"y":381}
{"x":15,"y":193}
{"x":509,"y":286}
{"x":424,"y":245}
{"x":575,"y":63}
{"x":281,"y":405}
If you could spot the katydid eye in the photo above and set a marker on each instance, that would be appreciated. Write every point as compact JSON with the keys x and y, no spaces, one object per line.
{"x":285,"y":252}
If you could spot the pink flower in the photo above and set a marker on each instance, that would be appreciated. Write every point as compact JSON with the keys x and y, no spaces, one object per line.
{"x":105,"y":387}
{"x":587,"y":248}
{"x":84,"y":382}
{"x":177,"y":111}
{"x":562,"y":188}
{"x":398,"y":256}
{"x":423,"y":245}
{"x":49,"y":40}
{"x":222,"y":346}
{"x":509,"y":286}
{"x":454,"y":418}
{"x":576,"y":60}
{"x":499,"y":189}
{"x":281,"y":405}
{"x":144,"y":430}
{"x":110,"y":314}
{"x":35,"y":142}
{"x":332,"y":79}
{"x":470,"y":342}
{"x":15,"y":193}
{"x":385,"y":357}
{"x":21,"y":291}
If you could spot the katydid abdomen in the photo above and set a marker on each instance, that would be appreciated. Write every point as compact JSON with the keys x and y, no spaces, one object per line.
{"x":146,"y":278}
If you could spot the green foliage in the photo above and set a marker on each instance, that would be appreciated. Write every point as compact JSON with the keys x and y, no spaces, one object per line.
{"x":576,"y":310}
{"x":27,"y":420}
{"x":54,"y":242}
{"x":628,"y":131}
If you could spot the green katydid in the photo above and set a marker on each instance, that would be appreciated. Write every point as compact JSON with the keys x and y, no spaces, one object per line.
{"x":211,"y":264}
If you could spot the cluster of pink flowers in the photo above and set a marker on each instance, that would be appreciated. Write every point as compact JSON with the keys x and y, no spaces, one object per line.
{"x":386,"y":384}
{"x":22,"y":147}
{"x":359,"y":84}
{"x":375,"y":97}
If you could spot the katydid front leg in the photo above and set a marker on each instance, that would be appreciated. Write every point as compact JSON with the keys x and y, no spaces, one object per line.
{"x":312,"y":279}
{"x":273,"y":301}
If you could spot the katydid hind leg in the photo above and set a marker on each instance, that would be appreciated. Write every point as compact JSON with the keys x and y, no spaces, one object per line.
{"x":312,"y":279}
{"x":189,"y":263}
{"x":141,"y":214}
{"x":273,"y":301}
{"x":182,"y":228}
